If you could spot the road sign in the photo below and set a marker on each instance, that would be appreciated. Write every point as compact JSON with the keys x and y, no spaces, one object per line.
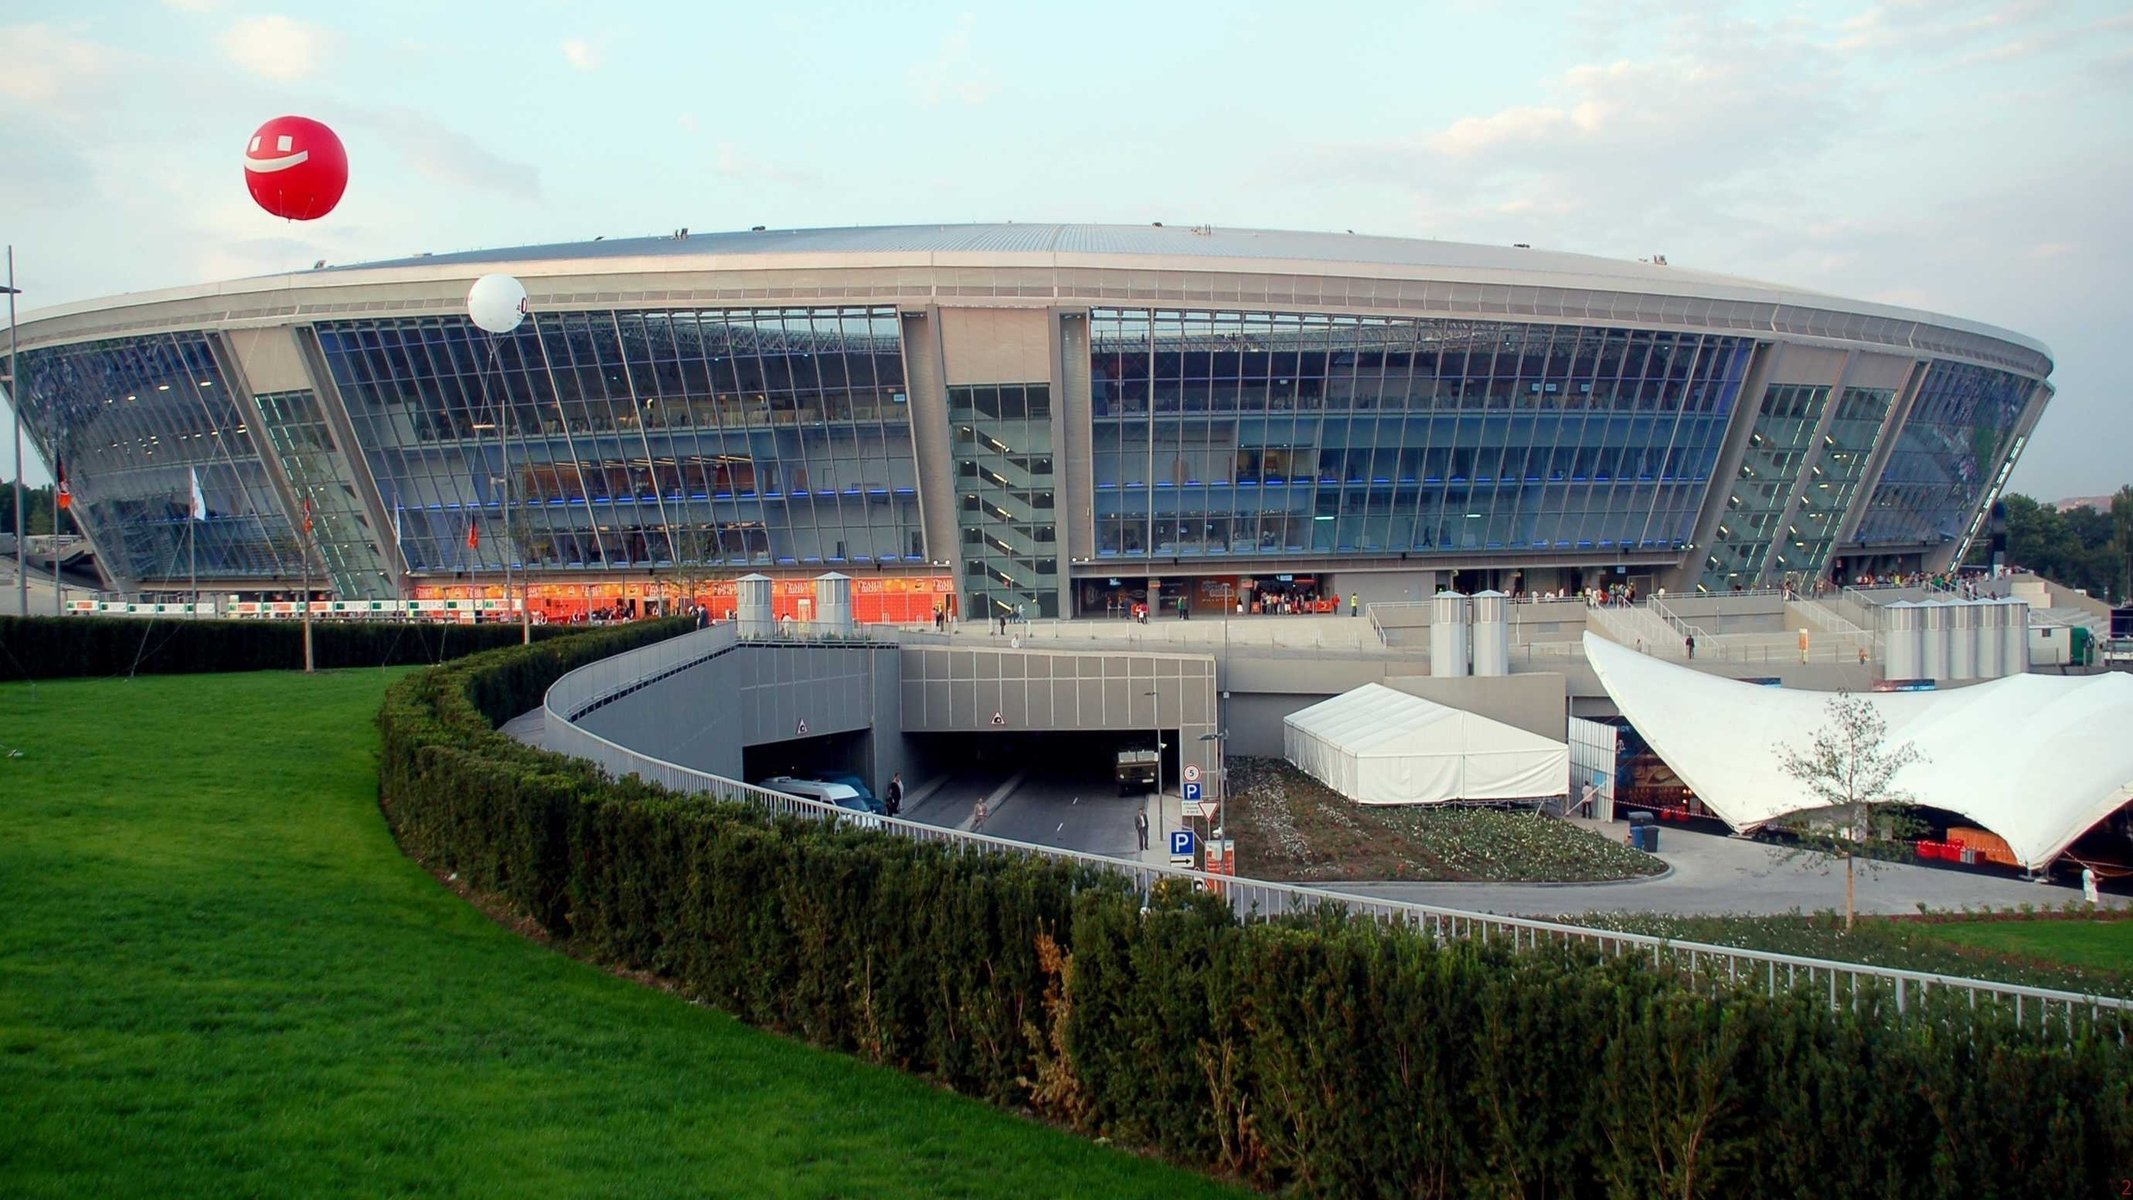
{"x":1192,"y":773}
{"x":1192,"y":790}
{"x":1193,"y":808}
{"x":802,"y":730}
{"x":999,"y":719}
{"x":1181,"y":843}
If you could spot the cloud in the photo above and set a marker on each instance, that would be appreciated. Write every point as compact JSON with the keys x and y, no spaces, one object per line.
{"x":449,"y":156}
{"x":1627,"y":148}
{"x":951,"y":76}
{"x":194,"y":6}
{"x":275,"y":47}
{"x":732,"y":164}
{"x":39,"y":64}
{"x":581,"y":54}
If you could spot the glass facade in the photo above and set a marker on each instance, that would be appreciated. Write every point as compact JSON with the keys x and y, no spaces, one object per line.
{"x":1777,"y":449}
{"x":610,"y":445}
{"x":135,"y":421}
{"x":764,"y":437}
{"x":325,"y":487}
{"x":1833,"y":480}
{"x":1223,"y":433}
{"x":1005,"y":502}
{"x":1952,"y":447}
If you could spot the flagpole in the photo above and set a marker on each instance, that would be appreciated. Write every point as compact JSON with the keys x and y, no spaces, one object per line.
{"x":192,"y":561}
{"x":304,"y":549}
{"x":14,"y":403}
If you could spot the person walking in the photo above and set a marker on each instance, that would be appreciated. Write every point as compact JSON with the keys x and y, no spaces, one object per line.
{"x":894,"y":796}
{"x":1140,"y":826}
{"x":1690,"y":642}
{"x":977,"y":816}
{"x":1355,"y":604}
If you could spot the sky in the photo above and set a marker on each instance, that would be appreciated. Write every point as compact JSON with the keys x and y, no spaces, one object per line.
{"x":1966,"y":158}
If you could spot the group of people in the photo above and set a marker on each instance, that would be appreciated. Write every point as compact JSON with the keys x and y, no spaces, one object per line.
{"x":1002,"y":619}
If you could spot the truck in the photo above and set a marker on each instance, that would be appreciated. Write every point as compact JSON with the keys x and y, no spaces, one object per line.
{"x":1138,"y":767}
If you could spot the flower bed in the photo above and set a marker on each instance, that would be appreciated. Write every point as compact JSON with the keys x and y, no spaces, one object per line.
{"x":1289,"y":826}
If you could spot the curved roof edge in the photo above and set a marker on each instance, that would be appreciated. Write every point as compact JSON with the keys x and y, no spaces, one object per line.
{"x":1250,"y":251}
{"x":2036,"y":759}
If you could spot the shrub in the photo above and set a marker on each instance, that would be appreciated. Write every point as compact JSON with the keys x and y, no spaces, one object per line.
{"x":1315,"y":1054}
{"x":63,"y":647}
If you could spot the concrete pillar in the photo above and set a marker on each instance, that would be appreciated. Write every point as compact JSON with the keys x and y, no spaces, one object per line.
{"x":1933,"y":652}
{"x":833,"y":604}
{"x":1991,"y":659}
{"x":1448,"y":634}
{"x":751,"y":608}
{"x":1901,"y":641}
{"x":1492,"y":633}
{"x":1962,"y":640}
{"x":2014,"y":638}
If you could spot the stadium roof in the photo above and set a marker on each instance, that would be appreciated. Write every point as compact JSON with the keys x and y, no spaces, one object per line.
{"x":1153,"y":247}
{"x":2036,"y":759}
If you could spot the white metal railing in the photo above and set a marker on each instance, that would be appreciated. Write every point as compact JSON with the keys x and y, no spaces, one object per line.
{"x":1717,"y":966}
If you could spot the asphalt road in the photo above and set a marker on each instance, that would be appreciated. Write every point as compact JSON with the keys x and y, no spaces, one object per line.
{"x":1715,"y":874}
{"x":1071,"y":810}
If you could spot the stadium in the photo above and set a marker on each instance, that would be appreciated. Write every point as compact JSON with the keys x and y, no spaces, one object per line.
{"x":1050,"y":420}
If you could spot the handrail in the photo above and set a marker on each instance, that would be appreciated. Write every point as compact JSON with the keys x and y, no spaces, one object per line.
{"x":1723,"y":966}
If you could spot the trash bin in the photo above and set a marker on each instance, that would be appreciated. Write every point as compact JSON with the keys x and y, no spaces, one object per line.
{"x":1640,"y":817}
{"x":1651,"y":839}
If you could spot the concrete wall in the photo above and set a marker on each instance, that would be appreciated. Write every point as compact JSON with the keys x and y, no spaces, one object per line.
{"x":1731,"y":614}
{"x":948,"y":689}
{"x":706,"y":716}
{"x":1536,"y":702}
{"x":1382,"y":587}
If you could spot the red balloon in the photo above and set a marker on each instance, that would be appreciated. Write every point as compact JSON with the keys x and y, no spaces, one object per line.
{"x":296,"y":168}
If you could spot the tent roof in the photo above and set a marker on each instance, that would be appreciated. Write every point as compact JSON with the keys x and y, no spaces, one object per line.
{"x":1375,"y":721}
{"x":2037,"y":759}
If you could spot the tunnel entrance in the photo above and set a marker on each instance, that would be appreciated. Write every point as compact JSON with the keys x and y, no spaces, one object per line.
{"x":1084,"y":758}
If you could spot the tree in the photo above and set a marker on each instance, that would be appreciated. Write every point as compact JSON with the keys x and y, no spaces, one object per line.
{"x":2122,"y":541}
{"x":1852,"y":772}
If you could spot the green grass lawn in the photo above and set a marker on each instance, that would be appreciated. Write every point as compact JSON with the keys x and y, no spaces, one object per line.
{"x":218,"y":977}
{"x":2096,"y":945}
{"x":2075,"y":954}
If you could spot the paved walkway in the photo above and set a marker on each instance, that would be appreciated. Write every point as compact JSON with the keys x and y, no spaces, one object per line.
{"x":1713,"y":874}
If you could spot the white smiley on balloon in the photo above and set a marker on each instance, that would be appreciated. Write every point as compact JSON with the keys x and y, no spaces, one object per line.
{"x":283,"y":159}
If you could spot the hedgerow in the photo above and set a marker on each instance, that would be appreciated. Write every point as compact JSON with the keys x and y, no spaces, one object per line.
{"x":1320,"y":1055}
{"x":96,"y":647}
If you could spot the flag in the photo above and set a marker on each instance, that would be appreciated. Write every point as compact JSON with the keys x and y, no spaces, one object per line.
{"x":64,"y":495}
{"x":198,"y":510}
{"x":473,"y":534}
{"x":307,"y":516}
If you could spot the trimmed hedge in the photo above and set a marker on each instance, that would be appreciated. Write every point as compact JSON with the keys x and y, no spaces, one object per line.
{"x":1320,"y":1055}
{"x":63,"y":647}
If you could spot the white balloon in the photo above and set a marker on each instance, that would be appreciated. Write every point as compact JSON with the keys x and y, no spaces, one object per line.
{"x":497,"y":303}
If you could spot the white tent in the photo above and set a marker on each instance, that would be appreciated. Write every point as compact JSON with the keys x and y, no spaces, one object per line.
{"x":1380,"y":746}
{"x":2036,"y":759}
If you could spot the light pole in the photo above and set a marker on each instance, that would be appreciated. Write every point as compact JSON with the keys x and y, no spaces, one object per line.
{"x":14,"y":403}
{"x":1221,"y":740}
{"x":1156,"y":697}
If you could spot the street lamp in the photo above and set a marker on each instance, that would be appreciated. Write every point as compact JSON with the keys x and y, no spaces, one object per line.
{"x":1157,"y":697}
{"x":1222,"y":775}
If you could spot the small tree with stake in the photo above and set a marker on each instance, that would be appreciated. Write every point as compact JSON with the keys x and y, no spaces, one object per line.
{"x":1852,"y":771}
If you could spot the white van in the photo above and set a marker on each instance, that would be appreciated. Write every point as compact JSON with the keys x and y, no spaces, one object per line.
{"x":842,"y":795}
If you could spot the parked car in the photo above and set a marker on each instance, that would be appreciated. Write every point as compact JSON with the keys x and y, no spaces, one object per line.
{"x":841,"y":795}
{"x":874,"y":803}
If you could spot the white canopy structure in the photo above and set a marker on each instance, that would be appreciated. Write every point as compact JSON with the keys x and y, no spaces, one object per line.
{"x":1376,"y":745}
{"x":2036,"y":759}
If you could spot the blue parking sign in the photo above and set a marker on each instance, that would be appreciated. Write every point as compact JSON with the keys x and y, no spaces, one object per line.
{"x":1192,"y":791}
{"x":1181,"y":841}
